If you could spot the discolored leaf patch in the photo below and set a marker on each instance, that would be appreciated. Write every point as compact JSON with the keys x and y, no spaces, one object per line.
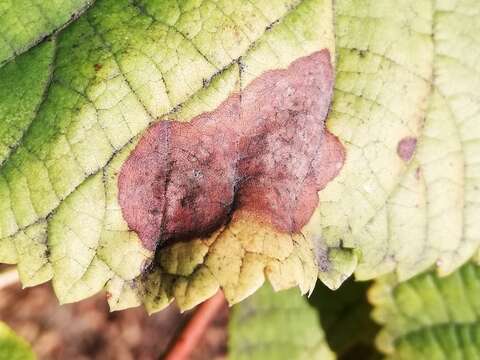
{"x":263,"y":151}
{"x":406,"y":148}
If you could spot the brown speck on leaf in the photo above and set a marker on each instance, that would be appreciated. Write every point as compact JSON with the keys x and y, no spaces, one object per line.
{"x":97,"y":67}
{"x":406,"y":147}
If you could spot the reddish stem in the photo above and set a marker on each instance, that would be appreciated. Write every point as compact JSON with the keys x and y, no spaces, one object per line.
{"x":195,"y":328}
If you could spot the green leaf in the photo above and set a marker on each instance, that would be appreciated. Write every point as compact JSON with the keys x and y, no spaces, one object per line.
{"x":429,"y":317}
{"x":276,"y":326}
{"x":13,"y":347}
{"x":26,"y":22}
{"x":74,"y":107}
{"x":407,"y":74}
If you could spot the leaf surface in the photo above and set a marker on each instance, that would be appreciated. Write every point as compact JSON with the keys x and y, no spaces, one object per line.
{"x":27,"y":22}
{"x":279,"y":325}
{"x":134,"y":79}
{"x":429,"y":317}
{"x":92,"y":93}
{"x":407,"y":109}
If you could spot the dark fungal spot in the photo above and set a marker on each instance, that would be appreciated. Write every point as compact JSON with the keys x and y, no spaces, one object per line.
{"x":406,"y":147}
{"x":264,"y":151}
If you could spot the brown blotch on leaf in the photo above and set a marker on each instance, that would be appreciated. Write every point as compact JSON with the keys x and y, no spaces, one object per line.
{"x":406,"y":147}
{"x":97,"y":67}
{"x":264,"y":151}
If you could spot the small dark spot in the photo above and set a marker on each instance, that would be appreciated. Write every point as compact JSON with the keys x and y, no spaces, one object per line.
{"x":205,"y":82}
{"x":147,"y":267}
{"x":270,"y":26}
{"x":362,"y":53}
{"x":406,"y":147}
{"x":176,"y":108}
{"x":97,"y":66}
{"x":241,"y":65}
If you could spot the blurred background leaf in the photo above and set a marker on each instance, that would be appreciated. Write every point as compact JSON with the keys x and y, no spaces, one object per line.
{"x":285,"y":325}
{"x":12,"y":346}
{"x":429,"y":317}
{"x":276,"y":326}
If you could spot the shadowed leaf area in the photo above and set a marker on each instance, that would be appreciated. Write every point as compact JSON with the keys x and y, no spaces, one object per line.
{"x":345,"y":316}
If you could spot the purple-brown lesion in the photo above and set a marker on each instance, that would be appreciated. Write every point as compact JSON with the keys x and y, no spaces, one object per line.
{"x":264,"y":151}
{"x":406,"y":148}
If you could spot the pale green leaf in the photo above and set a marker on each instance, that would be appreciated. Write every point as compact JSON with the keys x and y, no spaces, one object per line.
{"x":276,"y":326}
{"x":406,"y":70}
